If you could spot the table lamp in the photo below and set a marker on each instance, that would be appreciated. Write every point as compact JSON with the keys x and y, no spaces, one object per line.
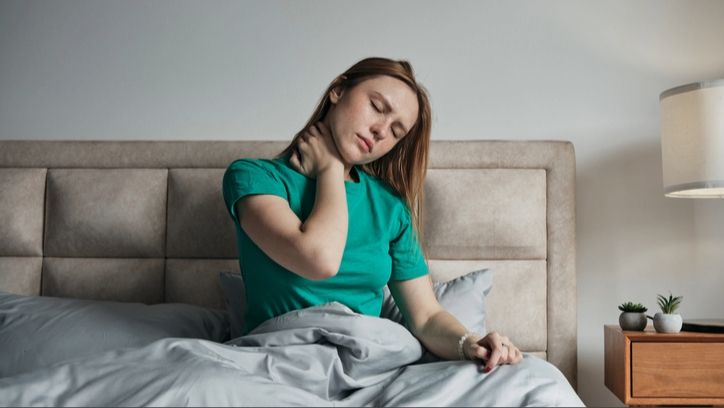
{"x":692,"y":152}
{"x":692,"y":140}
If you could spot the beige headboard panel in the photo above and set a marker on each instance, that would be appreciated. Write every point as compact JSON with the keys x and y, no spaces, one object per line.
{"x":145,"y":221}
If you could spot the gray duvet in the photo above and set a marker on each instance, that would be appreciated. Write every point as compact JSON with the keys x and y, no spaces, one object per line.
{"x":321,"y":356}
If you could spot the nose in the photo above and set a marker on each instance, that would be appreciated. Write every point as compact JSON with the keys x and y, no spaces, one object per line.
{"x":380,"y":129}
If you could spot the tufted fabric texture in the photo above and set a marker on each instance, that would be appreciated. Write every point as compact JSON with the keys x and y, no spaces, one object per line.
{"x":144,"y":221}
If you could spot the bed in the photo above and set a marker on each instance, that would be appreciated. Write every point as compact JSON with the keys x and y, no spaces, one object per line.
{"x":143,"y":224}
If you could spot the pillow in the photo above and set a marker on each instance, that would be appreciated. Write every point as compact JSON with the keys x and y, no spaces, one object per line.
{"x":37,"y":331}
{"x":235,"y":298}
{"x":463,"y":297}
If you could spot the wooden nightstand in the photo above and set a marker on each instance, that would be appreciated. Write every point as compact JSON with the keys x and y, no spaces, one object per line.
{"x":649,"y":368}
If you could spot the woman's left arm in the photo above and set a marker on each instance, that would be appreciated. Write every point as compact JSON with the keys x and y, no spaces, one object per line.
{"x":441,"y":332}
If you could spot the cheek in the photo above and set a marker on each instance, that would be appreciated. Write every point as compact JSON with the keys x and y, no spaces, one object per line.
{"x":386,"y":146}
{"x":363,"y":115}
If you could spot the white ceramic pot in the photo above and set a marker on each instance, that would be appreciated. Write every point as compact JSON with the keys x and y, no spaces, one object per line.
{"x":667,"y":323}
{"x":632,"y":321}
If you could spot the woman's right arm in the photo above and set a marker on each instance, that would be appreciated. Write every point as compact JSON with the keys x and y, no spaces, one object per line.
{"x":312,"y":249}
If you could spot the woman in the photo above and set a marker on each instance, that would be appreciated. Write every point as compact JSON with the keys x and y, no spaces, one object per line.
{"x":336,"y":216}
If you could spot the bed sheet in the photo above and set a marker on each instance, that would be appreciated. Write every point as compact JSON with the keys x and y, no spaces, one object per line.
{"x":321,"y":356}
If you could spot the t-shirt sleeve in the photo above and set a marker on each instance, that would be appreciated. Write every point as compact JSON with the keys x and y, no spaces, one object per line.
{"x":408,"y":260}
{"x":246,"y":177}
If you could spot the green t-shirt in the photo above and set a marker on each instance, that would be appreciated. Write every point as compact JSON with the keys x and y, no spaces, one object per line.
{"x":381,"y":244}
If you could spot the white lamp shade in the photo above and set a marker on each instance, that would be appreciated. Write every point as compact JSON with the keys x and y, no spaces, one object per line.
{"x":692,"y":140}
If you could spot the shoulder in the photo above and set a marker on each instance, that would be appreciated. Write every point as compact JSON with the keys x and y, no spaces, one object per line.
{"x":251,"y":166}
{"x":251,"y":163}
{"x":250,"y":174}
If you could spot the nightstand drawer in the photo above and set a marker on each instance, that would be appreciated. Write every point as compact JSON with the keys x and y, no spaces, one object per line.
{"x":665,"y":370}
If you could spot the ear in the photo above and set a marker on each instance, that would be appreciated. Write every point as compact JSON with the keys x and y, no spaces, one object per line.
{"x":337,"y":90}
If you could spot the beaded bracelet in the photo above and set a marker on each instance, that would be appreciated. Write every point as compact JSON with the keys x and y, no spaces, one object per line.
{"x":461,"y":342}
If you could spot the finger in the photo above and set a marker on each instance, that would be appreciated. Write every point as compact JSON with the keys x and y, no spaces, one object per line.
{"x":314,"y":130}
{"x":518,"y":356}
{"x":479,"y":352}
{"x":294,"y":160}
{"x":323,"y":128}
{"x":493,"y":360}
{"x":505,"y":354}
{"x":302,"y":146}
{"x":513,"y":354}
{"x":303,"y":156}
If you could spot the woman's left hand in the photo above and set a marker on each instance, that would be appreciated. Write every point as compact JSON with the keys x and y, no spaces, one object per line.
{"x":493,"y":349}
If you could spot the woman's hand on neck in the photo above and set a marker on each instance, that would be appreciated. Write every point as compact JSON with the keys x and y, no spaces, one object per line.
{"x":347,"y":166}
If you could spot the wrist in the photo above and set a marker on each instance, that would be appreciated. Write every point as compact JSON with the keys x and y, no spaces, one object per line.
{"x":332,"y":167}
{"x":465,"y":342}
{"x":469,"y":343}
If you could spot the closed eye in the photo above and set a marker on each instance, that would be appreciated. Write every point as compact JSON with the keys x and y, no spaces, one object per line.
{"x":380,"y":111}
{"x":375,"y":106}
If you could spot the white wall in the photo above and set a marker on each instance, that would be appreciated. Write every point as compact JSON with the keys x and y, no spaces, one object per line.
{"x":589,"y":72}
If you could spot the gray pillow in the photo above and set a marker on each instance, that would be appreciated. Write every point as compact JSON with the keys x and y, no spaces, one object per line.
{"x":37,"y":331}
{"x":235,"y":297}
{"x":463,"y":297}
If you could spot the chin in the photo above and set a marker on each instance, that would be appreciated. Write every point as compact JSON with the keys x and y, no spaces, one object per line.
{"x":355,"y":156}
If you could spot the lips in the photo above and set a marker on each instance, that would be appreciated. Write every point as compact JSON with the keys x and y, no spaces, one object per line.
{"x":368,"y":143}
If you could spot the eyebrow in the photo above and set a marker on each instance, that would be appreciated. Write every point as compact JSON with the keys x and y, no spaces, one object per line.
{"x":389,"y":108}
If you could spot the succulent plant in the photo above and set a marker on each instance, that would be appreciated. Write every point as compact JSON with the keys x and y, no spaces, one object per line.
{"x":669,"y":306}
{"x":630,"y":307}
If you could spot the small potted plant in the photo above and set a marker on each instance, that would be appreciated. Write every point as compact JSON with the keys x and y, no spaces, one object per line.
{"x":668,"y":321}
{"x":632,"y":316}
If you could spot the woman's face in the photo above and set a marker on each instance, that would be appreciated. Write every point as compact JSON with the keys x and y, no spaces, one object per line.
{"x":368,"y":120}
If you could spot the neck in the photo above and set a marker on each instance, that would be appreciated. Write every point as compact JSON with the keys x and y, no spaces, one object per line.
{"x":348,"y":172}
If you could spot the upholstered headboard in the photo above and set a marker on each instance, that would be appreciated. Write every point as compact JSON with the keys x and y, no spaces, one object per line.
{"x":145,"y":221}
